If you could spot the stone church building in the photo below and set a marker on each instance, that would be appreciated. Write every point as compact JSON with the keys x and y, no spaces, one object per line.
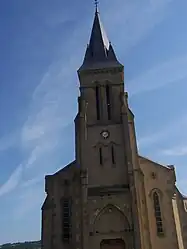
{"x":110,"y":197}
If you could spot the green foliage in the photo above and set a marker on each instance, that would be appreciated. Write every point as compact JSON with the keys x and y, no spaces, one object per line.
{"x":22,"y":245}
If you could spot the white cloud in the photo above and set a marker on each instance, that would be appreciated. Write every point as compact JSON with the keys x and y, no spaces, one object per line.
{"x":176,"y":151}
{"x":12,"y":182}
{"x":135,"y":19}
{"x":9,"y":141}
{"x":32,"y":182}
{"x":160,"y":135}
{"x":32,"y":133}
{"x":40,"y":151}
{"x":28,"y":201}
{"x":166,"y":73}
{"x":147,"y":140}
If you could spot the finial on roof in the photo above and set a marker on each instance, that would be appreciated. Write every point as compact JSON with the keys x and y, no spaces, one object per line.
{"x":96,"y":5}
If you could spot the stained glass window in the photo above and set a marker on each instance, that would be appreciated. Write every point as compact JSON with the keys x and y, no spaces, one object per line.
{"x":158,"y":215}
{"x":66,"y":219}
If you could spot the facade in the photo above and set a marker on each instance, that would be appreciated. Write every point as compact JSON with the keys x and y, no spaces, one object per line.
{"x":110,"y":197}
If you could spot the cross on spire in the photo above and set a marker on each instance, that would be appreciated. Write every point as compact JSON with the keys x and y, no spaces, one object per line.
{"x":96,"y":5}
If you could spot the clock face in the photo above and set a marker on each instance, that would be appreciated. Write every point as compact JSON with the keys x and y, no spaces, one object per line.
{"x":105,"y":134}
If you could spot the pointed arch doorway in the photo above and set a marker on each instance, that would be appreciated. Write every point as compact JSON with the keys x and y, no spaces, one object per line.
{"x":112,"y":244}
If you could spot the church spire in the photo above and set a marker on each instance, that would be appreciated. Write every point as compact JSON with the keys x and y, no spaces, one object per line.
{"x":99,"y":52}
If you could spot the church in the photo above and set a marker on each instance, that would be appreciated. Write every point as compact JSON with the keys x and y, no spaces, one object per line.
{"x":110,"y":197}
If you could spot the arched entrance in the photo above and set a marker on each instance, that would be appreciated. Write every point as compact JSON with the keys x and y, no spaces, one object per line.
{"x":110,"y":219}
{"x":112,"y":244}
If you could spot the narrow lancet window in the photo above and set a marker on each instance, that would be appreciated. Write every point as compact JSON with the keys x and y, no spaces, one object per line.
{"x":108,"y":102}
{"x":158,"y":215}
{"x":113,"y":155}
{"x":100,"y":156}
{"x":97,"y":95}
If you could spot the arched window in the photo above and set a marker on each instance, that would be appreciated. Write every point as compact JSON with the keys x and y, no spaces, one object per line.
{"x":158,"y":215}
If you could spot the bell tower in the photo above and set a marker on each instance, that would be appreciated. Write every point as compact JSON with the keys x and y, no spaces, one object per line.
{"x":106,"y":149}
{"x":100,"y":103}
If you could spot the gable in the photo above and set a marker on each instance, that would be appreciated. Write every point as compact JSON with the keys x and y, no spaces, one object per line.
{"x":145,"y":160}
{"x":153,"y":170}
{"x":62,"y":175}
{"x":69,"y":167}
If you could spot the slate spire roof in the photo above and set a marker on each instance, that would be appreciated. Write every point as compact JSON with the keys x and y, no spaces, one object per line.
{"x":99,"y":52}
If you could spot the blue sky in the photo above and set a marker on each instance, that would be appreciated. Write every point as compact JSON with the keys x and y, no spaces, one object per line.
{"x":42,"y":44}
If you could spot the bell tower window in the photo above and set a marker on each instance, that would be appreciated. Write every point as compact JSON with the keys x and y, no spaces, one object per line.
{"x":97,"y":96}
{"x":108,"y":100}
